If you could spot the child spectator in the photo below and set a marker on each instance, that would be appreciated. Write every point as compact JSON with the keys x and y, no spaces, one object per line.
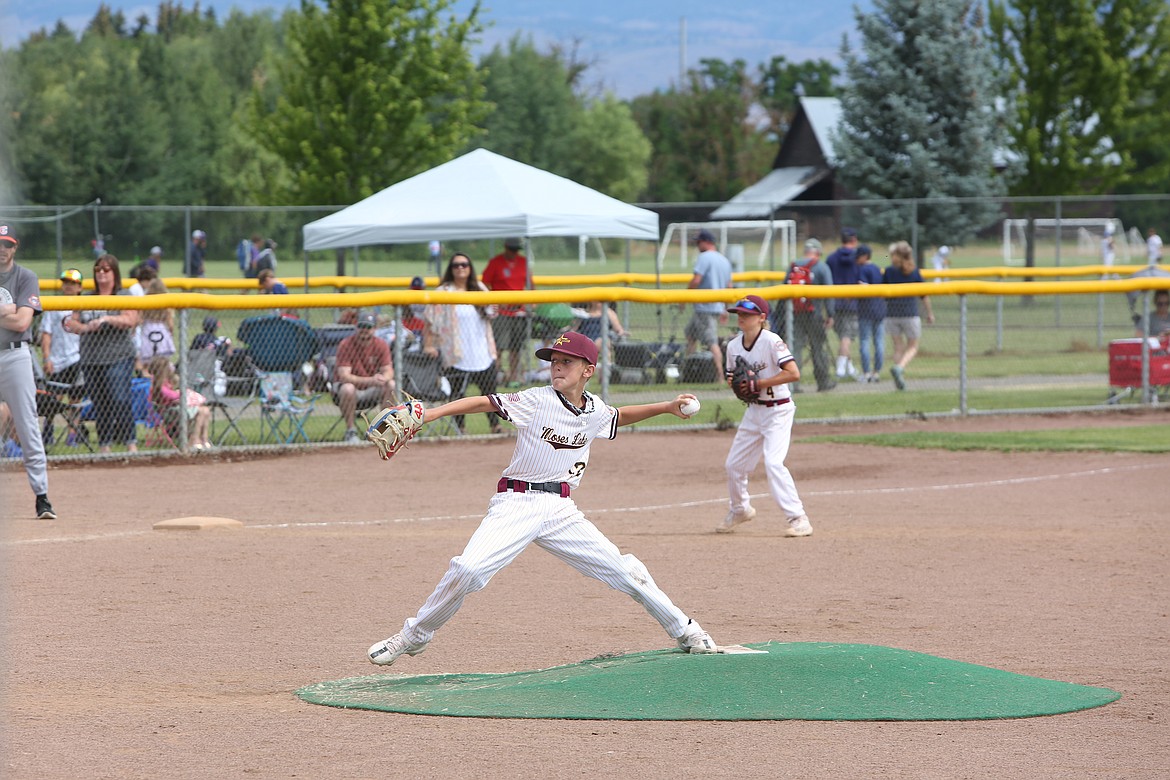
{"x":165,"y":398}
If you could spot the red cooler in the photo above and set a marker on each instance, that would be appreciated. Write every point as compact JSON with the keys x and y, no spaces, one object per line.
{"x":1125,"y":363}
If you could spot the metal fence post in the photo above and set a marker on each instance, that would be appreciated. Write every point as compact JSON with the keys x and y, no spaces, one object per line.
{"x":184,"y":380}
{"x":963,"y":354}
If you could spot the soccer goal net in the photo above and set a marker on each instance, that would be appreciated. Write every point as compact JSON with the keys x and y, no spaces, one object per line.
{"x":768,"y":243}
{"x":1074,"y":240}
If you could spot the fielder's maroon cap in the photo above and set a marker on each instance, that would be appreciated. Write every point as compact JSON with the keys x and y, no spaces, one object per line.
{"x":9,"y":235}
{"x":571,"y":343}
{"x":752,"y":304}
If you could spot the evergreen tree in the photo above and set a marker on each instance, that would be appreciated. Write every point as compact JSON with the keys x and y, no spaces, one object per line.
{"x":918,"y":120}
{"x":368,"y":93}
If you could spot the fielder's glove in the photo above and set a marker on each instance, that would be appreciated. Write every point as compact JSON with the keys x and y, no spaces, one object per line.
{"x":744,"y":381}
{"x":394,"y":426}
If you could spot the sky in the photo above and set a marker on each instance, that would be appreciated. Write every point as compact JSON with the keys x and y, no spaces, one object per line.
{"x":635,"y":46}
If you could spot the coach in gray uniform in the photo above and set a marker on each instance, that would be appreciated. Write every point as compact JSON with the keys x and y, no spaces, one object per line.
{"x":20,"y":300}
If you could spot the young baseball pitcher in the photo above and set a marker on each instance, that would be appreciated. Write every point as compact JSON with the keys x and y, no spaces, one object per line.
{"x":555,"y":425}
{"x":759,"y":369}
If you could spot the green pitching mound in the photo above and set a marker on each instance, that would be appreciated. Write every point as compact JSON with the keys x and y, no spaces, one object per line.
{"x":789,"y":681}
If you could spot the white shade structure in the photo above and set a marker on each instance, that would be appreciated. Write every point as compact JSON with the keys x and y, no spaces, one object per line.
{"x":480,"y":195}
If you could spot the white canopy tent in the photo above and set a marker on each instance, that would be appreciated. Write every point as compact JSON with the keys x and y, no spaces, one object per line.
{"x":480,"y":195}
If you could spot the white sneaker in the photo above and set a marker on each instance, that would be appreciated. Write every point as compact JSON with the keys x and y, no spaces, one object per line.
{"x":696,"y":640}
{"x":732,"y":520}
{"x":388,"y":651}
{"x":799,"y":526}
{"x":351,"y":437}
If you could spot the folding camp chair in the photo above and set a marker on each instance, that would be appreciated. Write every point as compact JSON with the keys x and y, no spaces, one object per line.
{"x":161,"y":425}
{"x":59,"y":400}
{"x":279,"y":349}
{"x":423,"y":379}
{"x":283,"y":413}
{"x":207,"y":378}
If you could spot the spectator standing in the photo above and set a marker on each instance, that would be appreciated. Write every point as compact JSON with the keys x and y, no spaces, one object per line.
{"x":712,"y":272}
{"x":843,"y":265}
{"x":509,"y":271}
{"x":19,"y":302}
{"x":154,"y":259}
{"x":902,"y":320}
{"x":1153,"y":247}
{"x":461,"y":336}
{"x":811,"y":323}
{"x":197,"y":255}
{"x":364,"y":374}
{"x":871,"y":315}
{"x":1108,"y":250}
{"x":60,"y":349}
{"x":107,"y":358}
{"x":941,"y":260}
{"x":156,"y":334}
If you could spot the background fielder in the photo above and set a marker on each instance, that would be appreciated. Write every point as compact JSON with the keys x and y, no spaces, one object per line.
{"x":555,"y":425}
{"x":766,"y":428}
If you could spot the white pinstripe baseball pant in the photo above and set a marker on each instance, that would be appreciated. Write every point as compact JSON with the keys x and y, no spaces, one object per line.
{"x":515,"y":520}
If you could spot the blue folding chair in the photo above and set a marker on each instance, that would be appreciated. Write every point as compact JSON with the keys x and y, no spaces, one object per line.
{"x":279,"y":348}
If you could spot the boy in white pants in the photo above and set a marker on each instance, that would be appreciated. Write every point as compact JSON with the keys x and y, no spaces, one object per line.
{"x":766,"y":428}
{"x":555,"y":425}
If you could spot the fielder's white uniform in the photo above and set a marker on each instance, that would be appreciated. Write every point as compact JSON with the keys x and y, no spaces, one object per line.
{"x":552,"y":451}
{"x":766,"y":428}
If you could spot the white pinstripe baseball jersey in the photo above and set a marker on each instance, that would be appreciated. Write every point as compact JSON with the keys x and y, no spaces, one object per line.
{"x":553,"y":436}
{"x":766,"y":355}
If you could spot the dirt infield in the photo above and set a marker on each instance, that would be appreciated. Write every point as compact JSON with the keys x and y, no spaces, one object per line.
{"x":138,"y":653}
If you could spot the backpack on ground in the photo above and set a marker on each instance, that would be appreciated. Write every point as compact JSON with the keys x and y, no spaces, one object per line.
{"x":802,"y":274}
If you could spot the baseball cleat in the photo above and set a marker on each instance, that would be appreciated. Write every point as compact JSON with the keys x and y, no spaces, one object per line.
{"x":45,"y":509}
{"x":388,"y":651}
{"x":696,"y":640}
{"x":733,"y":519}
{"x":798,"y":526}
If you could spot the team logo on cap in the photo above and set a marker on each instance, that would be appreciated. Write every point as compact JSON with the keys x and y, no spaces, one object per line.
{"x":561,"y":340}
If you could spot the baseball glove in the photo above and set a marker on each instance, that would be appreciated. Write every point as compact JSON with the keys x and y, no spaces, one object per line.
{"x":394,"y":426}
{"x":744,"y":381}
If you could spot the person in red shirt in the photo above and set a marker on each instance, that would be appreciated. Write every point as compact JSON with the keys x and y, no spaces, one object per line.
{"x":364,"y":374}
{"x":509,"y":271}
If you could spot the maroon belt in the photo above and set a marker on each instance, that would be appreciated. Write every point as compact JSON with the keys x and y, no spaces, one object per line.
{"x":519,"y":486}
{"x":777,"y":402}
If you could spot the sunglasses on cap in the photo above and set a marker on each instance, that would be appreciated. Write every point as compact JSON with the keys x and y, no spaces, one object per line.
{"x":746,"y":304}
{"x":71,"y":275}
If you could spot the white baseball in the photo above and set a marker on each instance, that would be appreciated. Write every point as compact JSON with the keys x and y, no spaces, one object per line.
{"x":690,"y":408}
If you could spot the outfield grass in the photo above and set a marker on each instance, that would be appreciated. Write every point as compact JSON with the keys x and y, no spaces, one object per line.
{"x":1149,"y":438}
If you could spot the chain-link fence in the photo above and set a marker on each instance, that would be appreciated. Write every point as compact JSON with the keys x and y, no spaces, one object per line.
{"x":267,"y":377}
{"x":1040,"y":311}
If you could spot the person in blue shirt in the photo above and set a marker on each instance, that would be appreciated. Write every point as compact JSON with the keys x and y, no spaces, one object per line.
{"x":902,"y":320}
{"x":712,"y":272}
{"x":843,"y":265}
{"x":871,"y":315}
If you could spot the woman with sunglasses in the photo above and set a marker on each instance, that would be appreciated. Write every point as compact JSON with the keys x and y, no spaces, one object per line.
{"x":108,"y":352}
{"x":461,"y":336}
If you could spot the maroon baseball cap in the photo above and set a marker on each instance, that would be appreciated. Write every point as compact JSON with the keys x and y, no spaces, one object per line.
{"x":752,"y":304}
{"x":571,"y":343}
